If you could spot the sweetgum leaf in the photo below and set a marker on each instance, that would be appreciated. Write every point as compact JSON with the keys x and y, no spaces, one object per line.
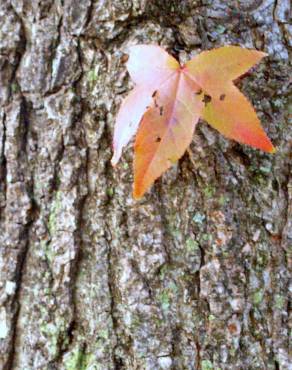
{"x":169,"y":99}
{"x":228,"y":110}
{"x":129,"y":117}
{"x":149,"y":66}
{"x":166,"y":130}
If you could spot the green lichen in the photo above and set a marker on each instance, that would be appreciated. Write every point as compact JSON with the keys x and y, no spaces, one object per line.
{"x":165,"y":296}
{"x":209,"y":191}
{"x":223,"y":200}
{"x":92,"y":75}
{"x":110,"y":192}
{"x":191,"y":245}
{"x":164,"y":300}
{"x":135,"y":321}
{"x":163,"y":271}
{"x":56,"y":334}
{"x":207,"y":365}
{"x":37,"y":185}
{"x":262,"y":259}
{"x":55,"y":208}
{"x":232,"y":352}
{"x":280,"y":301}
{"x":78,"y":360}
{"x":15,"y":87}
{"x":206,"y":237}
{"x":72,"y":361}
{"x":173,"y":288}
{"x":51,"y":332}
{"x":175,"y":232}
{"x":104,"y":334}
{"x":258,"y":297}
{"x":48,"y":252}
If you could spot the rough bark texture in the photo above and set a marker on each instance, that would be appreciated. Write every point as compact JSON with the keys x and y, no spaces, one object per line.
{"x":196,"y":274}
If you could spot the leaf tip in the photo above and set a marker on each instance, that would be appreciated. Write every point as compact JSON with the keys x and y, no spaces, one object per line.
{"x":263,"y":54}
{"x":114,"y":160}
{"x":269,"y":148}
{"x":139,"y":190}
{"x":136,"y":194}
{"x":117,"y":154}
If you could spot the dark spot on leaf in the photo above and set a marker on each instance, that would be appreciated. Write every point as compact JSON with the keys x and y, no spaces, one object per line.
{"x":154,"y":94}
{"x":124,"y":58}
{"x":161,"y":111}
{"x":206,"y":99}
{"x":199,"y":92}
{"x":156,"y":105}
{"x":158,"y":139}
{"x":222,"y":97}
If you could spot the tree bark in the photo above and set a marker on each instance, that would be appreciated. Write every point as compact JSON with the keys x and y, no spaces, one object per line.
{"x":195,"y":275}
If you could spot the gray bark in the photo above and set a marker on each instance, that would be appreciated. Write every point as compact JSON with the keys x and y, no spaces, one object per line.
{"x":193,"y":276}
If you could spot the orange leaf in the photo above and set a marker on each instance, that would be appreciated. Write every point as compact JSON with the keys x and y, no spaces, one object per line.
{"x":169,"y":99}
{"x":226,"y":109}
{"x":166,"y":130}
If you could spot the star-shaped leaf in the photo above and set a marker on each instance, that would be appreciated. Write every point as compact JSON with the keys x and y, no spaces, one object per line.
{"x":168,"y":100}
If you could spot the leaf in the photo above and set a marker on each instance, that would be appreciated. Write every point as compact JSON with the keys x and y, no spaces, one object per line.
{"x":156,"y":66}
{"x":228,"y":110}
{"x":166,"y":130}
{"x":169,"y":99}
{"x":129,"y":117}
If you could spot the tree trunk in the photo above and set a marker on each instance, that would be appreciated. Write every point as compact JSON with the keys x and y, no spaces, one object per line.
{"x":193,"y":276}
